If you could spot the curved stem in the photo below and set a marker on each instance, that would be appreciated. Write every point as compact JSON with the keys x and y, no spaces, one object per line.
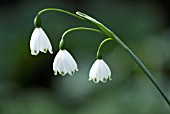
{"x":79,"y":28}
{"x":61,"y":45}
{"x":99,"y":56}
{"x":59,"y":10}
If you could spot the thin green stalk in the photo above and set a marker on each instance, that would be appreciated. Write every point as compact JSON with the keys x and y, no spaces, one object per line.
{"x":61,"y":44}
{"x":80,"y":28}
{"x":99,"y":55}
{"x":59,"y":10}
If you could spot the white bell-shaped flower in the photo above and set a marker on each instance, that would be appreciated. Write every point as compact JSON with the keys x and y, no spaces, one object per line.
{"x":64,"y":63}
{"x":99,"y":71}
{"x":39,"y":42}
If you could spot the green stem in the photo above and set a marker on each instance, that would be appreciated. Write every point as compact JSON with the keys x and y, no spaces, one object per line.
{"x":99,"y":56}
{"x":59,"y":10}
{"x":79,"y":28}
{"x":61,"y":45}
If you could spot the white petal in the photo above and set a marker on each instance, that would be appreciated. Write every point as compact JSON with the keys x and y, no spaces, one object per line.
{"x":66,"y":62}
{"x":104,"y":73}
{"x":72,"y":61}
{"x":61,"y":67}
{"x":70,"y":68}
{"x":44,"y":42}
{"x":34,"y":42}
{"x":55,"y":63}
{"x":93,"y":71}
{"x":108,"y":69}
{"x":104,"y":70}
{"x":99,"y":74}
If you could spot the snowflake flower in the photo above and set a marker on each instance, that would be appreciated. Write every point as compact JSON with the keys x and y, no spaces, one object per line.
{"x":64,"y":63}
{"x":99,"y":71}
{"x":39,"y":42}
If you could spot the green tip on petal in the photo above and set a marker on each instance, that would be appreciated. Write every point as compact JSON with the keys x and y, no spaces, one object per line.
{"x":110,"y":77}
{"x":95,"y":80}
{"x":35,"y":51}
{"x":72,"y":72}
{"x":55,"y":73}
{"x":104,"y":79}
{"x":45,"y":50}
{"x":62,"y":72}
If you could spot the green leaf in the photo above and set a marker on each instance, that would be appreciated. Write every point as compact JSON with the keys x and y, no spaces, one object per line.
{"x":94,"y":21}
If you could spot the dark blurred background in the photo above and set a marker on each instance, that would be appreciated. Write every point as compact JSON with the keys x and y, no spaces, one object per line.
{"x":27,"y":83}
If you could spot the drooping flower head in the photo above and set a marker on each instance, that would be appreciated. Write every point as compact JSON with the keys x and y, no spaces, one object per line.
{"x":64,"y":63}
{"x":39,"y":42}
{"x":100,"y":71}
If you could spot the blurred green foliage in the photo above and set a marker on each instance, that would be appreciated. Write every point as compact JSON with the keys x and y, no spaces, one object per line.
{"x":27,"y":83}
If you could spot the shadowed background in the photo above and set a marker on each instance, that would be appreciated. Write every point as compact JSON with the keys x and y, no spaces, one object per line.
{"x":27,"y":83}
